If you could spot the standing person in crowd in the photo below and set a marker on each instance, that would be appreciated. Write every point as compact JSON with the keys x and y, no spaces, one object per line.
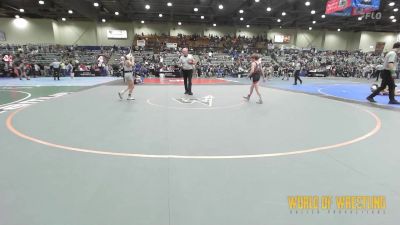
{"x":63,"y":69}
{"x":37,"y":70}
{"x":25,"y":69}
{"x":297,"y":69}
{"x":187,"y":62}
{"x":128,"y":77}
{"x":378,"y":72}
{"x":388,"y":74}
{"x":256,"y":72}
{"x":56,"y":69}
{"x":70,"y":70}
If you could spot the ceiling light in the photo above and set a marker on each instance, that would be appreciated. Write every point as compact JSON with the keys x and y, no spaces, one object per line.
{"x":312,"y":11}
{"x":70,"y":11}
{"x":307,"y":3}
{"x":103,"y":20}
{"x":241,"y":11}
{"x":241,"y":18}
{"x":17,"y":16}
{"x":96,"y":4}
{"x":63,"y":19}
{"x":202,"y":17}
{"x":391,"y":17}
{"x":394,"y":20}
{"x":279,"y":20}
{"x":22,"y":10}
{"x":283,"y":14}
{"x":41,"y":2}
{"x":147,"y":6}
{"x":269,"y":9}
{"x":314,"y":22}
{"x":160,"y":15}
{"x":395,"y":9}
{"x":214,"y":24}
{"x":116,"y":13}
{"x":392,"y":4}
{"x":142,"y":21}
{"x":196,"y":9}
{"x":359,"y":18}
{"x":257,"y":0}
{"x":221,"y":6}
{"x":323,"y":16}
{"x":310,"y":28}
{"x":247,"y":25}
{"x":339,"y":30}
{"x":169,"y":4}
{"x":179,"y":23}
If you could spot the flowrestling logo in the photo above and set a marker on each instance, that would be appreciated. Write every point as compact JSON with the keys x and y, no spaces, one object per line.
{"x":30,"y":102}
{"x":371,"y":16}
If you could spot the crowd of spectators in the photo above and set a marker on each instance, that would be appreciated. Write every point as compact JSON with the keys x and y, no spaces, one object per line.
{"x":215,"y":57}
{"x":39,"y":60}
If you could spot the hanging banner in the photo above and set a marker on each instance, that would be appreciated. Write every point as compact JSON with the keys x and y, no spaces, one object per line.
{"x":141,"y":43}
{"x":351,"y":7}
{"x":370,"y":4}
{"x":117,"y":34}
{"x":172,"y":45}
{"x":334,"y":6}
{"x":361,"y":11}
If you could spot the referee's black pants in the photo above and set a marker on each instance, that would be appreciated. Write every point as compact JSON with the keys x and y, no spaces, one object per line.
{"x":297,"y":77}
{"x":387,"y":80}
{"x":187,"y":79}
{"x":56,"y":73}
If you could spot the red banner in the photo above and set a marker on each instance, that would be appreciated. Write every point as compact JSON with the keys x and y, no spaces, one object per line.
{"x":333,"y":6}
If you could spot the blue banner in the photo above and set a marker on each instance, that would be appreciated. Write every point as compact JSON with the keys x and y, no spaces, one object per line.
{"x":371,"y":4}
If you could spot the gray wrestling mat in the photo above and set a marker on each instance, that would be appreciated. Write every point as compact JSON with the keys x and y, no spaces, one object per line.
{"x":211,"y":159}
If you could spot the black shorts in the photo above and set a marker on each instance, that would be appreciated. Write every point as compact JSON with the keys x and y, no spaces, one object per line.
{"x":256,"y":78}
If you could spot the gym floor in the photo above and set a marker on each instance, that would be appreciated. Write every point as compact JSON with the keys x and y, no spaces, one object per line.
{"x":82,"y":156}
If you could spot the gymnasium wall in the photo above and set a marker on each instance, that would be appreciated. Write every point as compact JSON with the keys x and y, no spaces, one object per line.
{"x":310,"y":39}
{"x":150,"y":28}
{"x":79,"y":33}
{"x":335,"y":40}
{"x":369,"y":39}
{"x":22,"y":31}
{"x":46,"y":31}
{"x":220,"y":30}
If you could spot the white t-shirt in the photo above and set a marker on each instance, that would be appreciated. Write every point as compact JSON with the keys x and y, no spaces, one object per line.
{"x":298,"y":66}
{"x":391,"y":57}
{"x":379,"y":67}
{"x":55,"y":65}
{"x":184,"y":61}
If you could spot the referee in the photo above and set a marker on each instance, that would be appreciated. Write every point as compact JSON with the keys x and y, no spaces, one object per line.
{"x":187,"y":62}
{"x":388,"y":74}
{"x":297,"y":73}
